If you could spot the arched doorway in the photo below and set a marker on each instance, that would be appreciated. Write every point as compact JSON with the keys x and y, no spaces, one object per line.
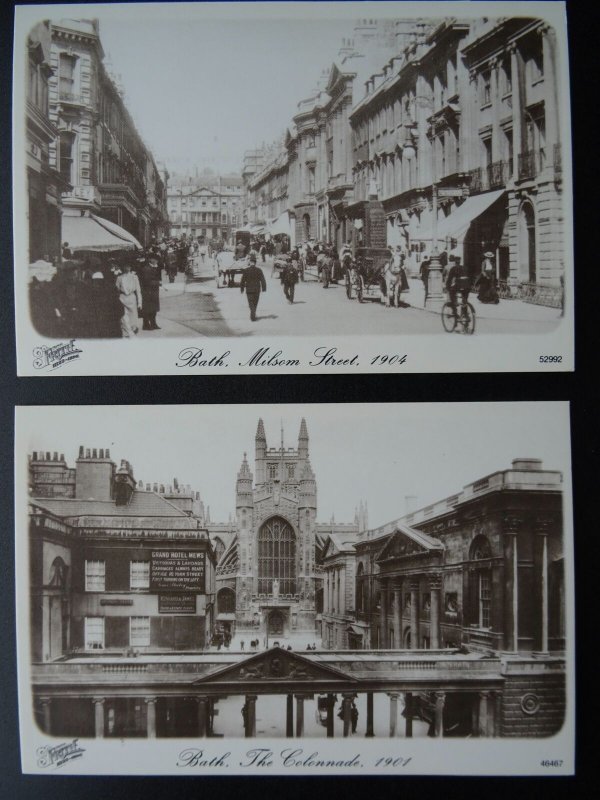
{"x":306,"y":226}
{"x":527,"y":250}
{"x":276,"y":557}
{"x":226,"y":601}
{"x":407,"y":639}
{"x":275,"y":623}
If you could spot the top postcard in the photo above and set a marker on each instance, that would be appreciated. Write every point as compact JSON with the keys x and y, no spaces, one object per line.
{"x":292,"y":187}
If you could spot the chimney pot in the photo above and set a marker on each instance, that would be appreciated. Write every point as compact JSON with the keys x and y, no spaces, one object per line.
{"x":48,"y":457}
{"x":55,"y":456}
{"x":80,"y":451}
{"x":107,"y":453}
{"x":101,"y":453}
{"x":35,"y":458}
{"x":87,"y":452}
{"x":62,"y":456}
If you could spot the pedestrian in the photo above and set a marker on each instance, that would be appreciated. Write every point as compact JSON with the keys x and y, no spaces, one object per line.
{"x":354,"y":716}
{"x":253,"y":281}
{"x":150,"y":285}
{"x":289,"y":647}
{"x":130,"y":297}
{"x":424,"y":275}
{"x":289,"y":279}
{"x":486,"y":281}
{"x":66,"y":251}
{"x":263,"y":252}
{"x":242,"y":645}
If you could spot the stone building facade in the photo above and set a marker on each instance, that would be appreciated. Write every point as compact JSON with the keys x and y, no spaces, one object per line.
{"x":205,"y":208}
{"x":268,"y":578}
{"x":115,"y":568}
{"x":98,"y":150}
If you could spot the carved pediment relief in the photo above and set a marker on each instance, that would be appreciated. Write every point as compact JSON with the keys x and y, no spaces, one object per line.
{"x":277,"y":665}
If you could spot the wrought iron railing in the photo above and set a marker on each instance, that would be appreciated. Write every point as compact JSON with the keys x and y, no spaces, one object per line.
{"x":493,"y":176}
{"x":531,"y":163}
{"x":536,"y":293}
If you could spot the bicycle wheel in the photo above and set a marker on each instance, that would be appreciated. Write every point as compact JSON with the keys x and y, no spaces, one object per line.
{"x":448,"y":317}
{"x":468,"y":319}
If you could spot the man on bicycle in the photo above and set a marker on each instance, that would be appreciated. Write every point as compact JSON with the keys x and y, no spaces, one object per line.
{"x":457,"y":282}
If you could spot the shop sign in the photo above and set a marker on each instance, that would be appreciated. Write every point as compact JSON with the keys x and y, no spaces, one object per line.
{"x":177,"y":570}
{"x":176,"y":604}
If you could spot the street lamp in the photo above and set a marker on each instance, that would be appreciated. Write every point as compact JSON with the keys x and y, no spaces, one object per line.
{"x":434,"y":281}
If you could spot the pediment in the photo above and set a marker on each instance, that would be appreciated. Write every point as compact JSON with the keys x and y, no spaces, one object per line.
{"x":275,"y":666}
{"x":402,"y":544}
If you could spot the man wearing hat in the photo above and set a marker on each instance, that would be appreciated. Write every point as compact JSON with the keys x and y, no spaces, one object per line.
{"x":253,"y":282}
{"x":457,"y":282}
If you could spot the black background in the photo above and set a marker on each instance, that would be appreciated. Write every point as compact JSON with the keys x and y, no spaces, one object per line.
{"x":579,"y":388}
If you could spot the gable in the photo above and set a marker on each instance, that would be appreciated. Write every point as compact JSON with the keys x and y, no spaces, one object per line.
{"x":403,"y":545}
{"x":275,"y":665}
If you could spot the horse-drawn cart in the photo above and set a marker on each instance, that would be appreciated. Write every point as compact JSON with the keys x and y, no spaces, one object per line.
{"x":364,"y":279}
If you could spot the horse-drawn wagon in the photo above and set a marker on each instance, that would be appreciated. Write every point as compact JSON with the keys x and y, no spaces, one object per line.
{"x":375,"y":275}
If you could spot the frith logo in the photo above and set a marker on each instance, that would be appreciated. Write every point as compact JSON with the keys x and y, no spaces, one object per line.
{"x":55,"y":356}
{"x":59,"y":754}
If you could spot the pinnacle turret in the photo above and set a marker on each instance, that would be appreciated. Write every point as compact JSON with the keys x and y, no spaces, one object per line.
{"x":260,"y":431}
{"x":303,"y":440}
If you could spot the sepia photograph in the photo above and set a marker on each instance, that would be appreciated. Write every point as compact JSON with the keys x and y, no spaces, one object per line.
{"x":241,"y":593}
{"x":298,"y":187}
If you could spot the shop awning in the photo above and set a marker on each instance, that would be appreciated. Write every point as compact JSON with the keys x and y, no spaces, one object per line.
{"x":280,"y":225}
{"x":117,"y":230}
{"x":86,"y":233}
{"x":457,"y":224}
{"x":355,"y":630}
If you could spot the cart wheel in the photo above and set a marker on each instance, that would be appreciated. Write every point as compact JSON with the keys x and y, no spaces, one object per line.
{"x":349,"y":289}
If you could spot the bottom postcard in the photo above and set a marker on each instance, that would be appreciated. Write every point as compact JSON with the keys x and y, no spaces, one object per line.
{"x":286,"y":589}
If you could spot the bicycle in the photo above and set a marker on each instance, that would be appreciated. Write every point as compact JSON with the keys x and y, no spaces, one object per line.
{"x":463,"y":316}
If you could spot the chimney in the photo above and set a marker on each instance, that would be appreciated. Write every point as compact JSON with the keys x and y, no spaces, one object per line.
{"x":527,"y":464}
{"x":93,"y":476}
{"x":124,"y":484}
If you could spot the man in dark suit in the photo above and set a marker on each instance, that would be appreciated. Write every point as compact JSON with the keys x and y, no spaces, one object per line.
{"x":253,"y":281}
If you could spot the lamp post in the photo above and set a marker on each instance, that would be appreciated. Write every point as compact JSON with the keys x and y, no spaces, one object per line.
{"x":435,"y":289}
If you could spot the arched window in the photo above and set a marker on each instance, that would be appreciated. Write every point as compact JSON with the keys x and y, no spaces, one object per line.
{"x":480,"y":553}
{"x":226,"y":601}
{"x":276,"y":556}
{"x":219,"y":549}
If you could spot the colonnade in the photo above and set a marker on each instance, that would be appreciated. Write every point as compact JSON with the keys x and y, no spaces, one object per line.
{"x":485,"y":710}
{"x":392,"y":588}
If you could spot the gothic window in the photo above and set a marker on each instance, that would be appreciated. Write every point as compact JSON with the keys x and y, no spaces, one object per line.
{"x":276,"y":557}
{"x":219,"y":549}
{"x":291,"y":468}
{"x":226,"y":601}
{"x":272,"y":468}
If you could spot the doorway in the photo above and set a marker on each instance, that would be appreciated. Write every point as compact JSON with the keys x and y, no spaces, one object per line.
{"x":275,"y":623}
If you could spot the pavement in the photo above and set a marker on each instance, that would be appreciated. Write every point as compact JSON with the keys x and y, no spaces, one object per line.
{"x":196,"y":305}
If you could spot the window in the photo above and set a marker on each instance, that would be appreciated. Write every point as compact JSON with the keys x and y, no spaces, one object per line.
{"x":311,"y":140}
{"x":66,"y":76}
{"x":139,"y":574}
{"x":484,"y":600}
{"x":291,"y":469}
{"x":95,"y":573}
{"x":66,"y":155}
{"x":94,"y":633}
{"x":486,"y":92}
{"x":536,"y":66}
{"x":486,"y":145}
{"x":276,"y":557}
{"x":139,"y":631}
{"x":311,"y":180}
{"x":273,"y":471}
{"x":505,"y":78}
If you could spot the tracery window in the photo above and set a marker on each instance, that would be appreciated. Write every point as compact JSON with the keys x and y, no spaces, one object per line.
{"x":276,"y":557}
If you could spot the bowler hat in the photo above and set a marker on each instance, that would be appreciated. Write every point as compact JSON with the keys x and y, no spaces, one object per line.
{"x":488,"y":254}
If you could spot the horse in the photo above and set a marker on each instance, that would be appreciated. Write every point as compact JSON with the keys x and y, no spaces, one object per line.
{"x":393,"y":281}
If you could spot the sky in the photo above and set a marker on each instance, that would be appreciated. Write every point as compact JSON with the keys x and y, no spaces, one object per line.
{"x":379,"y":453}
{"x":203,"y":92}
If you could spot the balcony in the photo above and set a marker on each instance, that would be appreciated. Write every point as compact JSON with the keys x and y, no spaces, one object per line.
{"x":493,"y":176}
{"x":72,"y":98}
{"x":531,"y":163}
{"x":88,"y":193}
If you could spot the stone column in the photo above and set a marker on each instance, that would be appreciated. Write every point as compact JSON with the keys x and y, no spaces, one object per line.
{"x":435,"y":585}
{"x":384,"y":615}
{"x":369,"y":731}
{"x":495,"y":98}
{"x":330,"y":719}
{"x":300,"y":698}
{"x":542,"y":526}
{"x":483,"y":729}
{"x":512,"y":524}
{"x":202,"y":716}
{"x":551,"y":106}
{"x":393,"y":713}
{"x":440,"y":699}
{"x":251,"y":715}
{"x":46,"y":714}
{"x":347,"y":712}
{"x":408,"y":707}
{"x":342,"y":608}
{"x":518,"y":97}
{"x":150,"y":717}
{"x":98,"y":717}
{"x":414,"y":615}
{"x":397,"y":618}
{"x":289,"y":716}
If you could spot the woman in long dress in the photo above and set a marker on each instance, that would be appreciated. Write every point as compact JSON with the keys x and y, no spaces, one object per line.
{"x":130,"y":297}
